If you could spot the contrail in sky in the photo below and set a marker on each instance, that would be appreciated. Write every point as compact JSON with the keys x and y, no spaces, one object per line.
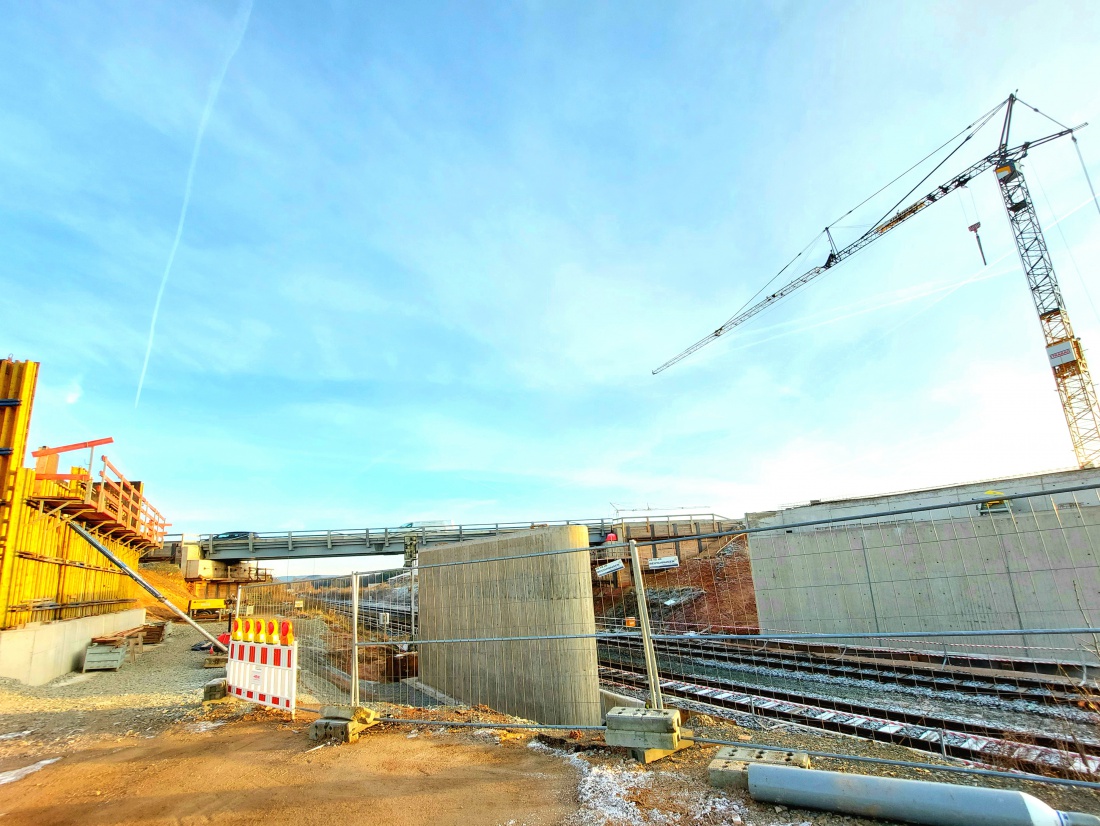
{"x":240,"y":24}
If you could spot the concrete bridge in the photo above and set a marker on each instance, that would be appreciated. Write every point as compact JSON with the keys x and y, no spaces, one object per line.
{"x":363,"y":542}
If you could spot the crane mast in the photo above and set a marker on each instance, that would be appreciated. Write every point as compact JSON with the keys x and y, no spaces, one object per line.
{"x":1064,"y":351}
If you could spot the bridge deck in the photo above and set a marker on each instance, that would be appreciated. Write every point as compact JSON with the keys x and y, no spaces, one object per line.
{"x":362,"y":542}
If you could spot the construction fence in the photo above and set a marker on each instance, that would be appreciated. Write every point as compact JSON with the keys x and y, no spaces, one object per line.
{"x":965,"y":630}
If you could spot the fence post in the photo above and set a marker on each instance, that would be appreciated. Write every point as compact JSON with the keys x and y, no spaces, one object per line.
{"x":652,"y":676}
{"x":414,"y":587}
{"x":355,"y":640}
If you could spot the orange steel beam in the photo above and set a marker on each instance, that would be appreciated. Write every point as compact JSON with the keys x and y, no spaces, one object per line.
{"x":50,"y":451}
{"x":60,"y":477}
{"x":108,"y":466}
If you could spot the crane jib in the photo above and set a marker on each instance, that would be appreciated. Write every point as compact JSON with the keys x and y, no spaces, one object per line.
{"x":1003,"y":159}
{"x":901,"y":216}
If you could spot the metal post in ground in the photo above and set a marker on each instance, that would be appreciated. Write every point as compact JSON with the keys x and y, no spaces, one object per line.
{"x":652,"y":676}
{"x":355,"y":640}
{"x":414,"y":587}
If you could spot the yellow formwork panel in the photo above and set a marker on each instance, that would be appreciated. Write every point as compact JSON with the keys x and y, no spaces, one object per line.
{"x":55,"y":574}
{"x":47,"y":572}
{"x":17,"y":384}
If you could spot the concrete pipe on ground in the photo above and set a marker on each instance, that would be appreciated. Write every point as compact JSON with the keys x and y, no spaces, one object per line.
{"x":911,"y":801}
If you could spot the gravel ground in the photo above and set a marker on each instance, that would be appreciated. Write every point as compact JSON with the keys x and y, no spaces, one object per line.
{"x":161,"y":694}
{"x":743,"y":728}
{"x":144,"y":697}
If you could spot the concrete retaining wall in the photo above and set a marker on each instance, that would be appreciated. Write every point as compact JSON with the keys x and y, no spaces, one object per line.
{"x":1033,"y":564}
{"x":549,"y":681}
{"x":37,"y":654}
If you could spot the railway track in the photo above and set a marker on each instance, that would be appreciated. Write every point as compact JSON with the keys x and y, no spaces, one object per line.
{"x":993,"y":677}
{"x":946,"y":736}
{"x":689,"y":673}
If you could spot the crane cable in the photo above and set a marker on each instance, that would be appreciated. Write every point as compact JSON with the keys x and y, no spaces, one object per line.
{"x":974,"y":127}
{"x":813,"y":241}
{"x":1085,"y":169}
{"x":1076,"y":146}
{"x":980,"y":122}
{"x":1065,"y":241}
{"x":983,"y":119}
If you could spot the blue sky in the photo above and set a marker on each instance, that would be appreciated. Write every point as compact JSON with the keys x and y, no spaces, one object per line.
{"x":434,"y":250}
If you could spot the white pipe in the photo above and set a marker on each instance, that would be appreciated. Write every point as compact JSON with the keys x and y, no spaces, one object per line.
{"x":911,"y":801}
{"x":99,"y":546}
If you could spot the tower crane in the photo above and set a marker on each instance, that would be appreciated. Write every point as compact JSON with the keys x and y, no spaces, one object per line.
{"x":1064,"y":351}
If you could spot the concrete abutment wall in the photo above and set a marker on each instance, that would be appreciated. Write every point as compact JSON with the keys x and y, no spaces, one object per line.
{"x":552,"y":681}
{"x":40,"y":652}
{"x":1031,"y":563}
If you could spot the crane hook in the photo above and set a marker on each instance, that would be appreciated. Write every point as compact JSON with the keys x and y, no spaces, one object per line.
{"x":974,"y":229}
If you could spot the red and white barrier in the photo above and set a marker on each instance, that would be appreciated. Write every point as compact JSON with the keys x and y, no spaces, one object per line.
{"x":263,"y":673}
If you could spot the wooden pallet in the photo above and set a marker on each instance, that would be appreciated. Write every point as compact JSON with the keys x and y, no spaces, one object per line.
{"x":119,"y":637}
{"x":155,"y":632}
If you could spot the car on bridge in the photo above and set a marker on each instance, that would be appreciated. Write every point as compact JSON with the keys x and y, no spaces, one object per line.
{"x":235,"y":535}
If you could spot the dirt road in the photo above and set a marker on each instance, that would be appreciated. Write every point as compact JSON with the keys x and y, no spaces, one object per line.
{"x":138,"y":747}
{"x":259,"y":771}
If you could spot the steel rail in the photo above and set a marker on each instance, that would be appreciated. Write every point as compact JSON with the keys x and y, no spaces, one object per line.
{"x":893,"y":715}
{"x":863,"y":664}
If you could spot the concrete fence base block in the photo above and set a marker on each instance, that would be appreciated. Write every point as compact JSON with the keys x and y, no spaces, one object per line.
{"x":214,"y":690}
{"x":649,"y":733}
{"x":730,"y":767}
{"x":343,"y":723}
{"x":610,"y":700}
{"x":642,"y":739}
{"x":346,"y":731}
{"x":660,"y":720}
{"x":649,"y":755}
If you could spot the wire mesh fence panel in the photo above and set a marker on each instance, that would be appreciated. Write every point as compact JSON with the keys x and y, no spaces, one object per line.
{"x":950,"y":629}
{"x":965,"y":629}
{"x":387,"y":658}
{"x":321,"y":610}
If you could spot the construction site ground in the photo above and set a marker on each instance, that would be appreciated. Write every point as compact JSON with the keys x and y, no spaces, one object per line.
{"x":137,"y":746}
